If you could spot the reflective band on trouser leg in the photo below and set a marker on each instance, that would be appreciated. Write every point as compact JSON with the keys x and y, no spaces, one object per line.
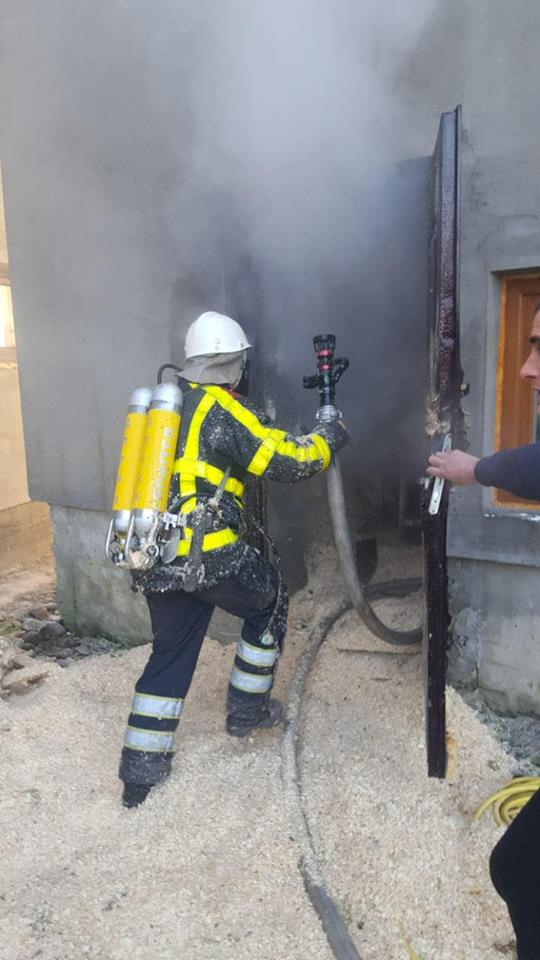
{"x":151,"y":741}
{"x":251,"y":682}
{"x":256,"y":656}
{"x":163,"y":708}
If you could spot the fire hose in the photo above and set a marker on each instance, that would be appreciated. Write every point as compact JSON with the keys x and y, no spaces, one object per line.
{"x":335,"y":928}
{"x":329,"y":371}
{"x":508,"y":802}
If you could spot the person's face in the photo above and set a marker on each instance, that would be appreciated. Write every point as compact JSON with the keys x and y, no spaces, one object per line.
{"x":531,"y":368}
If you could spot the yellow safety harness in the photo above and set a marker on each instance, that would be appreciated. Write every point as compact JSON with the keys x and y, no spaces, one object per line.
{"x":190,"y":467}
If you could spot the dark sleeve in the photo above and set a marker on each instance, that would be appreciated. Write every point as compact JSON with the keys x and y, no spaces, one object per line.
{"x":517,"y":471}
{"x":269,"y":452}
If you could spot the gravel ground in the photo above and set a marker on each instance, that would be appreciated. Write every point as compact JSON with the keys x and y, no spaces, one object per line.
{"x":207,"y":868}
{"x":399,"y":852}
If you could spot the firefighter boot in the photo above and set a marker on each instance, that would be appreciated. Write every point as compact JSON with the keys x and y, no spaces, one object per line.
{"x":135,"y":793}
{"x":270,"y":715}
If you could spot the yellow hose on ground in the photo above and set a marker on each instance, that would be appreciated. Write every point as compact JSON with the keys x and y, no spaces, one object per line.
{"x":411,"y":952}
{"x":505,"y":804}
{"x":508,"y":802}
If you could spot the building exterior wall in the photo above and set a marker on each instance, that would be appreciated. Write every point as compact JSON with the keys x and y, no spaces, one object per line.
{"x":99,"y":133}
{"x":96,"y":599}
{"x":13,"y":488}
{"x":496,"y":611}
{"x":496,"y":550}
{"x":25,"y":530}
{"x":13,"y":485}
{"x":118,"y":238}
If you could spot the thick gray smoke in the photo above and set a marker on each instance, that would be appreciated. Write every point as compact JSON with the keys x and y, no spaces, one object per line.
{"x":305,"y":211}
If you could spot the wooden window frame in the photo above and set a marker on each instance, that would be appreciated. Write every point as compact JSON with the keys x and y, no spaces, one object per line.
{"x":514,"y":415}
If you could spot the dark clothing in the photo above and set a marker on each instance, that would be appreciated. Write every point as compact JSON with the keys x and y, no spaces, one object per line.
{"x":515,"y":861}
{"x":517,"y":471}
{"x":219,"y":431}
{"x":180,"y":621}
{"x":515,"y":872}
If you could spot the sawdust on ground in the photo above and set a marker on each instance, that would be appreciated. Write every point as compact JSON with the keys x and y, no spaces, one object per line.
{"x":399,"y":852}
{"x":207,"y":868}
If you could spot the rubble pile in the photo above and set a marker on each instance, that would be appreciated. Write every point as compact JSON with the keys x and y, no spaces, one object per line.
{"x":19,"y":672}
{"x":37,"y":635}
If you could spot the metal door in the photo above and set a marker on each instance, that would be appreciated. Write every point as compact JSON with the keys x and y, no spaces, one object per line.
{"x":444,"y":420}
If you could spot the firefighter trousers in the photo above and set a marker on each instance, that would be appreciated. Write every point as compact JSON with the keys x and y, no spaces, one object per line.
{"x":180,"y":621}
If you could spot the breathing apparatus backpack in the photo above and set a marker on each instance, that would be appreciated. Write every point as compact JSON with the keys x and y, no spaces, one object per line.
{"x":141,"y":529}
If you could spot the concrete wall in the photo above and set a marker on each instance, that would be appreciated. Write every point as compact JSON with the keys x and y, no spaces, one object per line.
{"x":500,"y":232}
{"x":94,"y":604}
{"x":98,"y":131}
{"x":96,"y":599}
{"x":120,"y":233}
{"x":496,"y":612}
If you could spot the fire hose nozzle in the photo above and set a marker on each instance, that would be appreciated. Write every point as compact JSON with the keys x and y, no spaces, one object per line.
{"x":329,"y":371}
{"x":341,"y":364}
{"x":323,"y":342}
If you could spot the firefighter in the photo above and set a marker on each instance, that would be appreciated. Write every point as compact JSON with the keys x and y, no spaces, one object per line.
{"x":222,"y":439}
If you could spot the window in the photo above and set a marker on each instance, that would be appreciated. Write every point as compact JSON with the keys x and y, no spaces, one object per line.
{"x":516,"y":420}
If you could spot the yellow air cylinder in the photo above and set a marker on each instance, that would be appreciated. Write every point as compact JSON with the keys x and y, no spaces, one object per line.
{"x":128,"y":468}
{"x":157,"y":458}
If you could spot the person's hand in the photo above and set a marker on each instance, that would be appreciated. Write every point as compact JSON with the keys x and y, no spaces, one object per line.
{"x":455,"y":466}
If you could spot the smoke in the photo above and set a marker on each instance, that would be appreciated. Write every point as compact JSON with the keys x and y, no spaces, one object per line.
{"x":305,"y":206}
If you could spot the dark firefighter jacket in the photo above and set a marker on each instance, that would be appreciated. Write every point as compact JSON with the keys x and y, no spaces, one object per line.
{"x":219,"y":431}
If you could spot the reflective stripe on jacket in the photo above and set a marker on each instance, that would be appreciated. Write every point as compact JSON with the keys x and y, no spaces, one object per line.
{"x":221,"y":431}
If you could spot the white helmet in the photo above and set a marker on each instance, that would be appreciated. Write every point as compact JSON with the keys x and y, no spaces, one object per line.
{"x":214,"y":333}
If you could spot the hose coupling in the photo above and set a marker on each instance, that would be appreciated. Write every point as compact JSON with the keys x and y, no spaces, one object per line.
{"x":328,"y":413}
